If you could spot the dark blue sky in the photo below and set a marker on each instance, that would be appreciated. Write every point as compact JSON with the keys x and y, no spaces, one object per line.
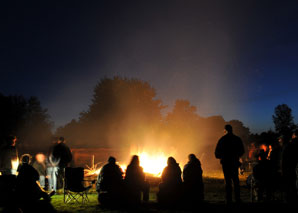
{"x":238,"y":59}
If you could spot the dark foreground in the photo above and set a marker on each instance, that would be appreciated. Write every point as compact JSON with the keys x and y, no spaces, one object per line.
{"x":214,"y":201}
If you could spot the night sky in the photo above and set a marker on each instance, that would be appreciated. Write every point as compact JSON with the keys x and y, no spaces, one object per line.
{"x":238,"y":59}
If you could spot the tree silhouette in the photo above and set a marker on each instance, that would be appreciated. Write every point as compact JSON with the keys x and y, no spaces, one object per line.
{"x":26,"y":119}
{"x":283,"y":120}
{"x":122,"y":111}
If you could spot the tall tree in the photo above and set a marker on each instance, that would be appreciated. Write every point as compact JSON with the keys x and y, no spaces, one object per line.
{"x":283,"y":120}
{"x":122,"y":111}
{"x":26,"y":119}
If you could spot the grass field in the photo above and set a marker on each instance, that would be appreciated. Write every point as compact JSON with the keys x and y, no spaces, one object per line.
{"x":214,"y":201}
{"x":214,"y":195}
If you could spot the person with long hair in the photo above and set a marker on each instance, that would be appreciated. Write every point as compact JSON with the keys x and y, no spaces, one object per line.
{"x":135,"y":182}
{"x":170,"y":189}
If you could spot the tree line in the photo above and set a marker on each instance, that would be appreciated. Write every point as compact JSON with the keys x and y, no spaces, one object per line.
{"x":126,"y":112}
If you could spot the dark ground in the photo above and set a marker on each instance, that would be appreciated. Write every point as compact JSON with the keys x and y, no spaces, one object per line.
{"x":214,"y":202}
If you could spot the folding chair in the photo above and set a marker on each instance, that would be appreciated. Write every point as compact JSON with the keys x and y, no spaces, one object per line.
{"x":74,"y":188}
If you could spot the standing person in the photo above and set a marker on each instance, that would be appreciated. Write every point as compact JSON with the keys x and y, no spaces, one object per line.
{"x":193,"y":180}
{"x":40,"y":166}
{"x":135,"y":182}
{"x":61,"y":152}
{"x":289,"y":164}
{"x":263,"y":173}
{"x":229,"y":149}
{"x":8,"y":155}
{"x":52,"y":167}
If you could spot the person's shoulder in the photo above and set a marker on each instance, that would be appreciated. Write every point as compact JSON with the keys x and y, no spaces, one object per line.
{"x":118,"y":167}
{"x":105,"y":166}
{"x":236,"y":137}
{"x":222,"y":138}
{"x":186,"y":166}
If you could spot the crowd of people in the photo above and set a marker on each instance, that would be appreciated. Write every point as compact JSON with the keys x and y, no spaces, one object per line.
{"x":276,"y":168}
{"x":115,"y":187}
{"x":30,"y":178}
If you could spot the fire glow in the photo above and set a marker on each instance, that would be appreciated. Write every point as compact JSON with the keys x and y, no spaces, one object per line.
{"x":153,"y":163}
{"x":15,"y":164}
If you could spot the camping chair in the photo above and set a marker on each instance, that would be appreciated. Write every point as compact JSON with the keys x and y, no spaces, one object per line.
{"x":74,"y":185}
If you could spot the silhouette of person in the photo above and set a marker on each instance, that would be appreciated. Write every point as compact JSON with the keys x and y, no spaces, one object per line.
{"x":170,"y":189}
{"x":275,"y":159}
{"x":135,"y":182}
{"x":40,"y":166}
{"x":61,"y":152}
{"x":289,"y":165}
{"x":193,"y":180}
{"x":275,"y":155}
{"x":263,"y":176}
{"x":110,"y":183}
{"x":229,"y":149}
{"x":7,"y":155}
{"x":28,"y":191}
{"x":52,"y":167}
{"x":27,"y":188}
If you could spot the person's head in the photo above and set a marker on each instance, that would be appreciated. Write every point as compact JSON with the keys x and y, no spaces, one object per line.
{"x":112,"y":160}
{"x":61,"y":140}
{"x":135,"y":160}
{"x":40,"y":157}
{"x":192,"y":157}
{"x":228,"y":129}
{"x":26,"y":158}
{"x":171,"y":161}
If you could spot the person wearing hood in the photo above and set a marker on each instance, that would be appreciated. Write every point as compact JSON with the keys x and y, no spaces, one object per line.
{"x":193,"y":180}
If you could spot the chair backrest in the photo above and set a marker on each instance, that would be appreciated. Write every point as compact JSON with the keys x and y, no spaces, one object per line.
{"x":74,"y":178}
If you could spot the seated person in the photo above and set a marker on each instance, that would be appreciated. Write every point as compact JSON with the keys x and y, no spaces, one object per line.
{"x":135,"y":182}
{"x":40,"y":166}
{"x":110,"y":183}
{"x":170,"y":188}
{"x":28,"y":189}
{"x":262,"y":176}
{"x":193,"y":180}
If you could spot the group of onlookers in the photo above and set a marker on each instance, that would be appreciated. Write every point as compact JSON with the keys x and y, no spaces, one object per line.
{"x":115,"y":187}
{"x":30,"y":183}
{"x":276,"y":170}
{"x":276,"y":166}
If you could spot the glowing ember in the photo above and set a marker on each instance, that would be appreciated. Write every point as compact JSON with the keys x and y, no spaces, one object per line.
{"x":264,"y":147}
{"x":93,"y":169}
